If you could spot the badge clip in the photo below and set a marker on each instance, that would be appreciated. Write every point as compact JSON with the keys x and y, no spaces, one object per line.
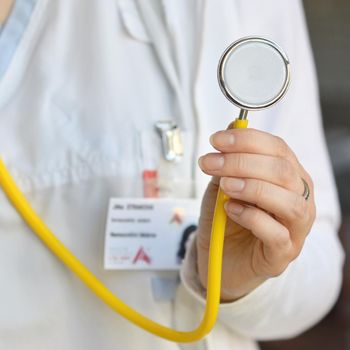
{"x":172,"y":145}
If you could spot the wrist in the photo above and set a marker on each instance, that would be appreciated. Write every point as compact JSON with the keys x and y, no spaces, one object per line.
{"x":231,"y":294}
{"x":233,"y":287}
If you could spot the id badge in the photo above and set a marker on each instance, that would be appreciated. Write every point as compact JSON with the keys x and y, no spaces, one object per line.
{"x":148,"y":233}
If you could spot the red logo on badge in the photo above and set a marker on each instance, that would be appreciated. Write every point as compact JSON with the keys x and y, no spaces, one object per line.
{"x":142,"y":255}
{"x":177,"y":217}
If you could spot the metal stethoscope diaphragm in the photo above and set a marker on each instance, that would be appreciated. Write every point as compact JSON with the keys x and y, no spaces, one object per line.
{"x":253,"y":73}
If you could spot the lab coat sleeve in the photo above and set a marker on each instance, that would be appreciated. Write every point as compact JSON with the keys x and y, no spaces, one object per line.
{"x":303,"y":294}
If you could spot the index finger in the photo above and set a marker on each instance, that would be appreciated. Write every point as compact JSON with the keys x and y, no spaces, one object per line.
{"x":251,"y":141}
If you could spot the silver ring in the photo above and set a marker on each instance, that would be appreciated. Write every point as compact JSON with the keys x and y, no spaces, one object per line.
{"x":306,"y":193}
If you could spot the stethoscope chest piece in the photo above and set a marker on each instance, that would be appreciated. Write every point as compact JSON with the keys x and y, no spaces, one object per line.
{"x":254,"y":73}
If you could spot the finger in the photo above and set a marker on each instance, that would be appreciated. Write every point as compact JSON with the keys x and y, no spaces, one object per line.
{"x":278,"y":171}
{"x":251,"y":141}
{"x":274,"y":236}
{"x":284,"y":204}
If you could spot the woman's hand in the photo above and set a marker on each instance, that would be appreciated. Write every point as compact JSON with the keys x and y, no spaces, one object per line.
{"x":268,"y":218}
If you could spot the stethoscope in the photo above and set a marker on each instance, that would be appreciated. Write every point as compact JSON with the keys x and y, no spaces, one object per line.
{"x":253,"y":74}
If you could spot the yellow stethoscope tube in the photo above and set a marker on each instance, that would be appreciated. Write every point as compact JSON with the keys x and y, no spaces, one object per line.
{"x":214,"y":266}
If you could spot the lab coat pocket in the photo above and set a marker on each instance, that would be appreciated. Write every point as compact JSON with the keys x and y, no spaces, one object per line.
{"x":174,"y":179}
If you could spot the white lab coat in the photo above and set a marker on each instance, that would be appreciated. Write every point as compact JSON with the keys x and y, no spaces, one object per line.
{"x":77,"y":109}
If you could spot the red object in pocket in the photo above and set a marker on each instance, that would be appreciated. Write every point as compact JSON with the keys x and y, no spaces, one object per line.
{"x":150,"y":184}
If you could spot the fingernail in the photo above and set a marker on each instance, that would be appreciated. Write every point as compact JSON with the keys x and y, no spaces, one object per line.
{"x":211,"y":162}
{"x":232,"y":184}
{"x":233,"y":208}
{"x":222,"y":139}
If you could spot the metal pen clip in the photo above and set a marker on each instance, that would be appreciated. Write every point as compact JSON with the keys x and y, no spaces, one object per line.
{"x":172,"y":145}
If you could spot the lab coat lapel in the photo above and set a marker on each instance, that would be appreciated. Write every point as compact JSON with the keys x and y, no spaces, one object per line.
{"x":162,"y":47}
{"x":157,"y":34}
